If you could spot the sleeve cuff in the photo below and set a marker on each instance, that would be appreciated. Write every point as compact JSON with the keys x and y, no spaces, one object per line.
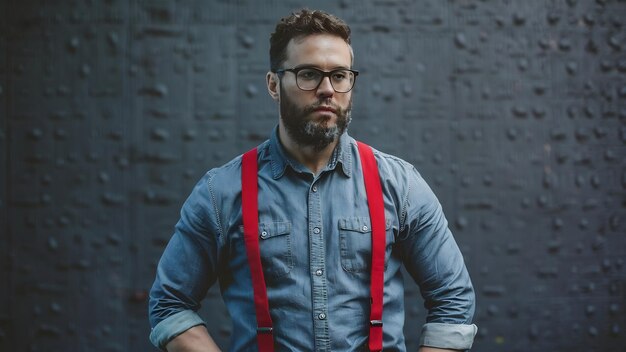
{"x":451,"y":336}
{"x":173,"y":326}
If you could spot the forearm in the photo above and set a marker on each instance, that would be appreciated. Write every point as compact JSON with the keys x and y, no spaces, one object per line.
{"x":196,"y":339}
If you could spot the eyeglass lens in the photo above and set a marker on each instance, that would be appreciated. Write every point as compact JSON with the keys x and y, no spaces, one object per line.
{"x":310,"y":78}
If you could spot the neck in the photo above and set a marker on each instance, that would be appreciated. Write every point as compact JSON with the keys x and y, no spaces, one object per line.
{"x":313,"y":159}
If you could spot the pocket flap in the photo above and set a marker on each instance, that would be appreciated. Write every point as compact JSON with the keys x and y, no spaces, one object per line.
{"x":359,"y":224}
{"x":273,"y":229}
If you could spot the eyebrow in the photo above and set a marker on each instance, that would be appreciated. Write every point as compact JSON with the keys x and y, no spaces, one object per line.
{"x":319,"y":68}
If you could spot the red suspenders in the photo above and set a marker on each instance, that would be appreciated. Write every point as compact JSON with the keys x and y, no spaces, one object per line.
{"x":376,"y":206}
{"x":250,"y":211}
{"x":249,"y":199}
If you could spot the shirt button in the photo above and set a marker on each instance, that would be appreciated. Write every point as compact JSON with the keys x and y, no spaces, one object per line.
{"x":364,"y":227}
{"x":314,"y":189}
{"x":316,"y":230}
{"x":319,"y":272}
{"x":263,"y":234}
{"x":322,"y":316}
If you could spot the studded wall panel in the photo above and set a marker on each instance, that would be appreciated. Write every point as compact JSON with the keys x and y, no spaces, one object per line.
{"x":513,"y":111}
{"x":4,"y":238}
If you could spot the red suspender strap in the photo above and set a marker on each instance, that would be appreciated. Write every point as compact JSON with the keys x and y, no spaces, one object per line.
{"x":374,"y":193}
{"x":249,"y":199}
{"x":250,"y":210}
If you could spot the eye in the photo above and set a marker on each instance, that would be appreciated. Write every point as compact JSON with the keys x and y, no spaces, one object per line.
{"x":309,"y":74}
{"x":340,"y":75}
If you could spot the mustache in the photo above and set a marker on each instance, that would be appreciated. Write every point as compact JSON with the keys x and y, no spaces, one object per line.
{"x":311,"y":108}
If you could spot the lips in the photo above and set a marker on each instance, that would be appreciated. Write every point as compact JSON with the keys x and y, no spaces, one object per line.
{"x":326,"y":108}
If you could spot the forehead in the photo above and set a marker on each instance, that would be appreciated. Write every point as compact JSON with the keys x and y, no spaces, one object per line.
{"x":321,"y":50}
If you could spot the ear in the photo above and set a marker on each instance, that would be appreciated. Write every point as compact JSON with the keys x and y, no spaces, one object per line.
{"x":273,"y":85}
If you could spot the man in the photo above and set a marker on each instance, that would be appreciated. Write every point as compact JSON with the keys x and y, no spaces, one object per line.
{"x":314,"y":239}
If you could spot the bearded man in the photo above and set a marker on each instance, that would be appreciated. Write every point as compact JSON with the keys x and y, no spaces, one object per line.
{"x":307,"y":233}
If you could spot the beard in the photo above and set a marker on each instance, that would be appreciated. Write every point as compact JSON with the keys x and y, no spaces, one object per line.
{"x":307,"y":132}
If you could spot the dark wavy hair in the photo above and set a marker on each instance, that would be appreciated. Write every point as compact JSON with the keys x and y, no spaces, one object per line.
{"x":302,"y":23}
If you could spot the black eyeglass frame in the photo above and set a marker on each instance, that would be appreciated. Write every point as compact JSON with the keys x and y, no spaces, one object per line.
{"x":324,"y":74}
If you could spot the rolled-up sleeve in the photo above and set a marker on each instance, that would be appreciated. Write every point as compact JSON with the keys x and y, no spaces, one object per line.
{"x":433,"y":259}
{"x":186,"y":270}
{"x":452,"y":336}
{"x":173,"y":326}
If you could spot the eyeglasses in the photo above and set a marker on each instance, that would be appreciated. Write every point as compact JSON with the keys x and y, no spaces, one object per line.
{"x":309,"y":78}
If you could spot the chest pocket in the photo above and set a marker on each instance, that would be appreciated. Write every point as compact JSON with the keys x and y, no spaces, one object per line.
{"x":355,"y":243}
{"x":275,"y":247}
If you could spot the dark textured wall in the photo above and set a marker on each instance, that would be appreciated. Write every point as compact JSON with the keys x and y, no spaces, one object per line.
{"x":514,"y":111}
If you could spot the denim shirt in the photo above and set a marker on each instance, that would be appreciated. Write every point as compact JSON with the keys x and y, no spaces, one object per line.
{"x":315,"y":243}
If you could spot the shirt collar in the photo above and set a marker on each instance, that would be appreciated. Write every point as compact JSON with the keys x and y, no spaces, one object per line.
{"x":279,"y":158}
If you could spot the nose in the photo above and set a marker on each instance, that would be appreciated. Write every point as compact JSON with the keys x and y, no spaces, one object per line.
{"x":325,"y":89}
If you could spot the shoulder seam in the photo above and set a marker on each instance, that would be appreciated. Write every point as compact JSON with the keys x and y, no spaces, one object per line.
{"x":405,"y":205}
{"x":214,"y":203}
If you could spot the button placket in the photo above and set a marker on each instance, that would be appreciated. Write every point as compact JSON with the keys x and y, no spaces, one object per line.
{"x":317,"y":264}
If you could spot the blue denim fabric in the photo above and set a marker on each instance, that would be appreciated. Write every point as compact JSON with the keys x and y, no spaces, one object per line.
{"x":315,"y":250}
